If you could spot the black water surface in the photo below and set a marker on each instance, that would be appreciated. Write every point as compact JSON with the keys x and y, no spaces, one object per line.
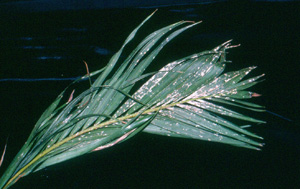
{"x":53,"y":45}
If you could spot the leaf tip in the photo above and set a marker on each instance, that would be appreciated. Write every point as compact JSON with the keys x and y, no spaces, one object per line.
{"x":3,"y":154}
{"x":255,"y":95}
{"x":153,"y":12}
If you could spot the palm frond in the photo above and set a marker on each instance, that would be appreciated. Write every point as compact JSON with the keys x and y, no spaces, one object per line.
{"x":183,"y":99}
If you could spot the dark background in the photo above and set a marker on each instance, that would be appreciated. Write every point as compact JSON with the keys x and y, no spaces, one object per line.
{"x":53,"y":43}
